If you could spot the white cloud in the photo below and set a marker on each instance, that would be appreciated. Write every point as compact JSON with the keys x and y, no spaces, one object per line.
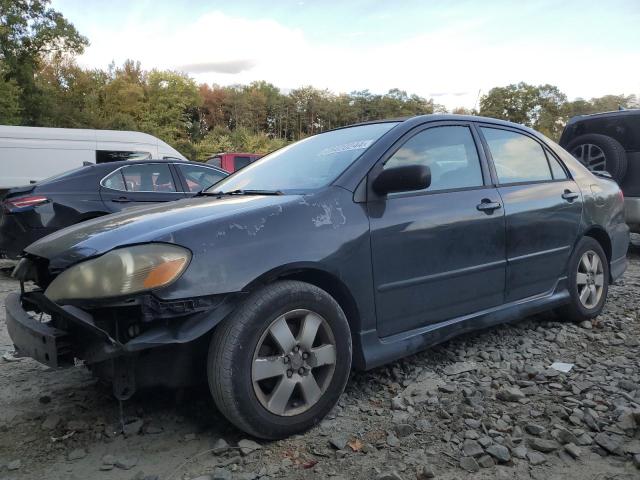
{"x":451,"y":64}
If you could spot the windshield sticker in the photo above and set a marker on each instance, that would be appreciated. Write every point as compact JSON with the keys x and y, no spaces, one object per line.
{"x":345,"y":147}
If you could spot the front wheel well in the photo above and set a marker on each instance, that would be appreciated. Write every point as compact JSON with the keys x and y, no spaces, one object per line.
{"x":324,"y":280}
{"x":333,"y":287}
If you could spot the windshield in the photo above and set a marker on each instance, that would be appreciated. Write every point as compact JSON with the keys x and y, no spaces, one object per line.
{"x":308,"y":164}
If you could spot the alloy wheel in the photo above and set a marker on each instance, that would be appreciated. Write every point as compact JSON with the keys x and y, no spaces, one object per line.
{"x":590,"y":279}
{"x":591,"y":156}
{"x":293,"y":362}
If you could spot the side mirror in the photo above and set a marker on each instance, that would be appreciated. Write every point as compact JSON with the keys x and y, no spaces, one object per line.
{"x":402,"y":179}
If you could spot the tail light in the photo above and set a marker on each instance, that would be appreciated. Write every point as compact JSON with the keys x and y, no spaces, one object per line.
{"x":22,"y":202}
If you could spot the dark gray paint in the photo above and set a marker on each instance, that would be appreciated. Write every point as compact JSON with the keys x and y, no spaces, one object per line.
{"x":398,"y":300}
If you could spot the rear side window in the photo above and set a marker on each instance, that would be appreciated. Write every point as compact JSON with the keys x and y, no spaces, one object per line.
{"x":241,"y":162}
{"x":154,"y":177}
{"x":199,"y":178}
{"x":450,"y":153}
{"x":517,"y":157}
{"x":115,"y":181}
{"x":104,"y":156}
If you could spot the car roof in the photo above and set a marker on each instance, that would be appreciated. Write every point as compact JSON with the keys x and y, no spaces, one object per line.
{"x":111,"y":166}
{"x":444,"y":117}
{"x":233,"y":153}
{"x":615,"y":113}
{"x":120,"y":163}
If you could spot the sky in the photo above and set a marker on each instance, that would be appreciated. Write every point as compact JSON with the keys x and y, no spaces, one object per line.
{"x":450,"y":51}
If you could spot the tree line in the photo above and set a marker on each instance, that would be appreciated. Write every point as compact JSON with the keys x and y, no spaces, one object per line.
{"x":42,"y":85}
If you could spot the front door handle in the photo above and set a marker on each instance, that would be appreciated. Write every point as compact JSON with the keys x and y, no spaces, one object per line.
{"x":488,"y":206}
{"x":570,"y":196}
{"x":121,"y":200}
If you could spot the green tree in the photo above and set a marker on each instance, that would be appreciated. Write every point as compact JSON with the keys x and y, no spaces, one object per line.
{"x":607,"y":103}
{"x":10,"y":112}
{"x":539,"y":107}
{"x":173,"y":102}
{"x":72,"y":96}
{"x":30,"y":31}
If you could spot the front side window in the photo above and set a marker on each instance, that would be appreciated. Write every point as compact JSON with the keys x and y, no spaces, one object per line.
{"x":309,"y":164}
{"x":198,"y":178}
{"x":517,"y":157}
{"x":104,"y":156}
{"x":154,"y":177}
{"x":449,"y":152}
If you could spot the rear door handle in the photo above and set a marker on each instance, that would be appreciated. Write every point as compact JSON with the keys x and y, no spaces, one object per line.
{"x":488,"y":206}
{"x":570,"y":196}
{"x":121,"y":200}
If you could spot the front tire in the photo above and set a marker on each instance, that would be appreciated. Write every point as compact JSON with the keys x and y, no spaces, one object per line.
{"x":280,"y":362}
{"x":588,"y":281}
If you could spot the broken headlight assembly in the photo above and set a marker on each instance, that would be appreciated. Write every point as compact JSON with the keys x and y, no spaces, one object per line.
{"x":122,"y":271}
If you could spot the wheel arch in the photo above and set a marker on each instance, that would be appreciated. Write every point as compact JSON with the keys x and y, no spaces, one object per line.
{"x":601,"y":236}
{"x":313,"y":274}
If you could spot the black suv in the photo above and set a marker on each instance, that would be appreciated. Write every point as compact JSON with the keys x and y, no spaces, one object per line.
{"x":610,"y":142}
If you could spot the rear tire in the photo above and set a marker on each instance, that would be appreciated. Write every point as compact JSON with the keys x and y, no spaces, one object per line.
{"x":280,"y":362}
{"x":600,"y":153}
{"x":588,"y":278}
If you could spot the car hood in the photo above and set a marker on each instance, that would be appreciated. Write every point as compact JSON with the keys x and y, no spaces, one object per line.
{"x":157,"y":222}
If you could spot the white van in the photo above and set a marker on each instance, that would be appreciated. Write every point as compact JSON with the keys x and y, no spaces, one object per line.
{"x":29,"y":154}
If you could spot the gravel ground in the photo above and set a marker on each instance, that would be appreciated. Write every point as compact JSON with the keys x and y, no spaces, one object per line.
{"x":486,"y":405}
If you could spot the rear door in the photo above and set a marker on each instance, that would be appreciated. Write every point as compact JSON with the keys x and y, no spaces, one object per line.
{"x":140,"y":184}
{"x":437,"y":253}
{"x":543,"y":207}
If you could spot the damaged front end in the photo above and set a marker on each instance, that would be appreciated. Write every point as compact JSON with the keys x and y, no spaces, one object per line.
{"x":134,"y":341}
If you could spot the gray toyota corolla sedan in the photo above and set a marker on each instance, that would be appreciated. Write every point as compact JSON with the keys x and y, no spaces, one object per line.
{"x":356,"y":246}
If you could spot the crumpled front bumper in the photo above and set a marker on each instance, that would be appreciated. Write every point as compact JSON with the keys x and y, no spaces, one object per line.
{"x":48,"y":342}
{"x":72,"y":333}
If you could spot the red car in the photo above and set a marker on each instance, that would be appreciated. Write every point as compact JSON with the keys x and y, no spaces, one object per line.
{"x":232,"y":161}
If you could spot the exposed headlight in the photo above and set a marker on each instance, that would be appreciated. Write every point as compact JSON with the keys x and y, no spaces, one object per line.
{"x":121,"y":272}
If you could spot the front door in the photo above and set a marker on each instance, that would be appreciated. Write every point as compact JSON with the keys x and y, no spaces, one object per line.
{"x":437,"y":253}
{"x":139,"y":184}
{"x":543,"y":207}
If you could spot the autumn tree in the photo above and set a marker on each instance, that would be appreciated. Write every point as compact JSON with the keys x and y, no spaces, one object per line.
{"x":29,"y":32}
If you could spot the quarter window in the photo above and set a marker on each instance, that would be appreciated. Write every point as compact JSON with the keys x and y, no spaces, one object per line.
{"x":115,"y":181}
{"x":517,"y":157}
{"x":154,"y":177}
{"x":556,"y":169}
{"x":199,"y":178}
{"x":450,"y":152}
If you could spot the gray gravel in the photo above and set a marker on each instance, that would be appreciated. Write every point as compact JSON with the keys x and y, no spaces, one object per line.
{"x":486,"y":405}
